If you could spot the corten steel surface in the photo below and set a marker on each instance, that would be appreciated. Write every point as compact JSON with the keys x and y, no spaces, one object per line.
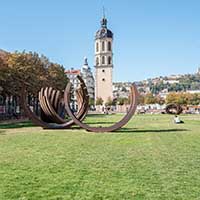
{"x":174,"y":109}
{"x":50,"y":104}
{"x":118,"y":125}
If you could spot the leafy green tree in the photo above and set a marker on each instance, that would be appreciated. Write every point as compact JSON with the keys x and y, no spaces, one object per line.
{"x":150,"y":99}
{"x":194,"y":99}
{"x":172,"y":98}
{"x":57,"y":77}
{"x":123,"y":100}
{"x":160,"y":100}
{"x":99,"y":101}
{"x":183,"y":98}
{"x":91,"y":101}
{"x":34,"y":72}
{"x":141,"y":99}
{"x":109,"y":102}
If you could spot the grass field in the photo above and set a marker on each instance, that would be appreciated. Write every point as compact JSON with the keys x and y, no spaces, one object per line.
{"x":150,"y":158}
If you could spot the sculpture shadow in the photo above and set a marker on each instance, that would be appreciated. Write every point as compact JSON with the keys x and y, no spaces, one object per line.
{"x":96,"y":115}
{"x":2,"y":132}
{"x":24,"y":124}
{"x":134,"y":130}
{"x":101,"y":123}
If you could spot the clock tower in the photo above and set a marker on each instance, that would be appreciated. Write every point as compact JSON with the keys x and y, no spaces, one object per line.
{"x":103,"y":62}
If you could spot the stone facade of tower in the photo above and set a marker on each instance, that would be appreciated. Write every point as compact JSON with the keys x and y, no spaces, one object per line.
{"x":103,"y":62}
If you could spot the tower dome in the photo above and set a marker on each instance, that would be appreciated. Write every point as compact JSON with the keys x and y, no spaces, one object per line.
{"x":104,"y":32}
{"x":85,"y":65}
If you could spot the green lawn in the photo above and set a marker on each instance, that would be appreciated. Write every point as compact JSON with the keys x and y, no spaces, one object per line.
{"x":150,"y":158}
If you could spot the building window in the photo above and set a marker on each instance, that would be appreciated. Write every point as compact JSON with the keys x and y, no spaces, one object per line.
{"x":97,"y":61}
{"x":103,"y":70}
{"x":103,"y":46}
{"x":103,"y":79}
{"x":109,"y":46}
{"x":97,"y":47}
{"x":103,"y":60}
{"x":109,"y":60}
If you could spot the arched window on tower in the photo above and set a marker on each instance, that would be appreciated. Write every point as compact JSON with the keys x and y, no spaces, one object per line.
{"x":109,"y":60}
{"x":103,"y":46}
{"x":109,"y":46}
{"x":103,"y":60}
{"x":97,"y":61}
{"x":97,"y":47}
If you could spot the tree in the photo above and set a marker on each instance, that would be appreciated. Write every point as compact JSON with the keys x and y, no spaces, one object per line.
{"x":34,"y":72}
{"x":160,"y":100}
{"x":141,"y":99}
{"x":183,"y":98}
{"x":91,"y":101}
{"x":122,"y":100}
{"x":149,"y":99}
{"x":194,"y":99}
{"x":26,"y":69}
{"x":172,"y":98}
{"x":57,"y":76}
{"x":3,"y":72}
{"x":99,"y":101}
{"x":20,"y":69}
{"x":109,"y":102}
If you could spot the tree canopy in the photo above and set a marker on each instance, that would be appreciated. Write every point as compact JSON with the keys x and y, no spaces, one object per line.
{"x":183,"y":98}
{"x":99,"y":101}
{"x":32,"y":70}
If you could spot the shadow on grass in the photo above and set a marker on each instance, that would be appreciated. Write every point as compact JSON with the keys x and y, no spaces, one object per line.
{"x":134,"y":130}
{"x":2,"y":132}
{"x":17,"y":125}
{"x":101,"y":123}
{"x":96,"y":115}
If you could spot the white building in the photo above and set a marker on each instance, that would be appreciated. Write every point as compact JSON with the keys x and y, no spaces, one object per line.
{"x":88,"y":78}
{"x":72,"y":76}
{"x":171,"y":81}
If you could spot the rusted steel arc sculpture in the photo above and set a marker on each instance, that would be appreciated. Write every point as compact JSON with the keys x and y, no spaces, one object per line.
{"x":174,"y":109}
{"x":122,"y":122}
{"x":82,"y":98}
{"x":54,"y":97}
{"x":80,"y":115}
{"x":45,"y":125}
{"x":50,"y":106}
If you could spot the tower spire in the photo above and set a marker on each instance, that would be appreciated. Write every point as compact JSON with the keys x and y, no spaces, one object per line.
{"x":104,"y":20}
{"x":104,"y":12}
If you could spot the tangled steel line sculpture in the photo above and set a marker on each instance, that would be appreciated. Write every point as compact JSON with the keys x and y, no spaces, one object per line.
{"x":174,"y":109}
{"x":51,"y":103}
{"x":54,"y":106}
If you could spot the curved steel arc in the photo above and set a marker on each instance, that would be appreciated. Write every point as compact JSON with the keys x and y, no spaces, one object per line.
{"x":48,"y":108}
{"x":122,"y":122}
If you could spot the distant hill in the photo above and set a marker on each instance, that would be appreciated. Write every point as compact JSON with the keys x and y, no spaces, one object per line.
{"x":182,"y":83}
{"x":159,"y":85}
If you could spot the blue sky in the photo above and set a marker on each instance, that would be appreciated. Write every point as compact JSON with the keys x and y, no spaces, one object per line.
{"x":151,"y":38}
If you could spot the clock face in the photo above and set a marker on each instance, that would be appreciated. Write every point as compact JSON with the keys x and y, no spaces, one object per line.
{"x":103,"y":32}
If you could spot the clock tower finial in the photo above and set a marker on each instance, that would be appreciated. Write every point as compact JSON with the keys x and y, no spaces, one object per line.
{"x":104,"y":20}
{"x":104,"y":12}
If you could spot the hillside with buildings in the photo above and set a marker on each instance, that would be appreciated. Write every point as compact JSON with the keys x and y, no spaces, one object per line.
{"x":162,"y":85}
